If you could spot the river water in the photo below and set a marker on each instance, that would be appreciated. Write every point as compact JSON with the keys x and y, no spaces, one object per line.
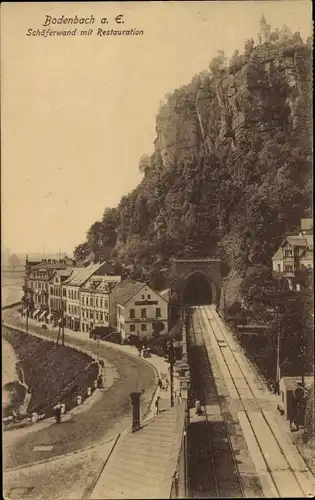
{"x":11,"y":291}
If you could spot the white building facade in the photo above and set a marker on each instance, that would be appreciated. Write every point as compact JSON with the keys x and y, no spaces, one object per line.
{"x":141,"y":312}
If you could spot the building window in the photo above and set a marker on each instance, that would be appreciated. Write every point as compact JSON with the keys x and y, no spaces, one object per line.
{"x":149,"y":296}
{"x":279,"y":268}
{"x":143,"y":313}
{"x":143,"y":327}
{"x":96,"y":302}
{"x":51,"y":290}
{"x":142,"y":296}
{"x":83,"y":327}
{"x":82,"y":300}
{"x":101,"y":302}
{"x":91,"y":301}
{"x":132,"y":328}
{"x":106,"y":304}
{"x":132,"y":314}
{"x":288,"y":252}
{"x":101,"y":316}
{"x":91,"y":314}
{"x":106,"y":317}
{"x":96,"y":315}
{"x":158,"y":312}
{"x":64,"y":292}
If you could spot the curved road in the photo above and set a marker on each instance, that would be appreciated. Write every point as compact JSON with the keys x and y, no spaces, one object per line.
{"x":109,"y":414}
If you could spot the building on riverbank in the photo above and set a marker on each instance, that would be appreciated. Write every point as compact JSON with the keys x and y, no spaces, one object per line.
{"x":37,"y":285}
{"x":138,"y":310}
{"x":73,"y":286}
{"x":95,"y":301}
{"x":57,"y":294}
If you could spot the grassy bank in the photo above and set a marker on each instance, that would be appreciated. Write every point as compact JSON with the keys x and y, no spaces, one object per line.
{"x":52,"y":372}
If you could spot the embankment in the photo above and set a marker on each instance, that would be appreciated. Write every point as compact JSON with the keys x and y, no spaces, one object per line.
{"x":52,"y":372}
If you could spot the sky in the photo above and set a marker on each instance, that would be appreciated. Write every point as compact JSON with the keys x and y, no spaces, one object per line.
{"x":77,"y":113}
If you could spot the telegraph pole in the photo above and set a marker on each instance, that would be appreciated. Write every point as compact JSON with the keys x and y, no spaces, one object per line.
{"x":62,"y":323}
{"x":27,"y":317}
{"x":277,"y":388}
{"x":172,"y":361}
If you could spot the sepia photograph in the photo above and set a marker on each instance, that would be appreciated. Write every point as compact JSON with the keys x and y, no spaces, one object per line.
{"x":157,"y":250}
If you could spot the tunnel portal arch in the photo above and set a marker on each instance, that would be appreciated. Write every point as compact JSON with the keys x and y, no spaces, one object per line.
{"x":198,"y":289}
{"x":199,"y":275}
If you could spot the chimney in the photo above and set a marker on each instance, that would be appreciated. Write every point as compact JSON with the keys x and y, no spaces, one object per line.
{"x":135,"y":401}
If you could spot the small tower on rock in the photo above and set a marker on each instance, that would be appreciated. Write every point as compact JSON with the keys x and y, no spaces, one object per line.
{"x":264,"y":33}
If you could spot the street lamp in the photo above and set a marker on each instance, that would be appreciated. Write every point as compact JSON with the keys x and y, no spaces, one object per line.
{"x":278,"y":374}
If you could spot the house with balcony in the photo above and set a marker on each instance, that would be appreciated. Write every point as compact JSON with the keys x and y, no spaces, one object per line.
{"x":140,"y":311}
{"x":294,"y":256}
{"x":95,"y":301}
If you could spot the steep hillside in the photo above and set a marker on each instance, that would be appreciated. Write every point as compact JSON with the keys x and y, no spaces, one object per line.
{"x":231,"y":167}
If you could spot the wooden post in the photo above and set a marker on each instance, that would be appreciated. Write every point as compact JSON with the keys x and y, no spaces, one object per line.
{"x":135,"y":400}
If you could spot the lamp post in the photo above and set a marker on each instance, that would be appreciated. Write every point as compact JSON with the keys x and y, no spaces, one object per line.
{"x":278,"y":374}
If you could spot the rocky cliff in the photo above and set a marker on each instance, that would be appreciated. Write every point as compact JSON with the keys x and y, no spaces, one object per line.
{"x":231,"y":167}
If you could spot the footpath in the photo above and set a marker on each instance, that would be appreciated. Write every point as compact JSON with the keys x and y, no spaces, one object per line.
{"x":34,"y":479}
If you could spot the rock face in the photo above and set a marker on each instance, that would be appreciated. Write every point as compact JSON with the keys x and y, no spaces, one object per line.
{"x":231,"y":168}
{"x":265,"y":95}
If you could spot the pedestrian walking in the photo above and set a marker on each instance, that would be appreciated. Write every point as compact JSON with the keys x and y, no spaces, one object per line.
{"x":58,"y":413}
{"x":157,"y":405}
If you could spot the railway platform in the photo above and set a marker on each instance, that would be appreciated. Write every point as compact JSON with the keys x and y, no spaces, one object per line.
{"x":244,"y":444}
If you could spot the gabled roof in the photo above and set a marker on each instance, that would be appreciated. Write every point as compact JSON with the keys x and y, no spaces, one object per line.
{"x":101,"y":283}
{"x":278,"y":254}
{"x":64,"y":272}
{"x":127,"y":289}
{"x":166,"y":294}
{"x":297,"y":241}
{"x":145,"y":461}
{"x":50,"y":265}
{"x":81,"y":274}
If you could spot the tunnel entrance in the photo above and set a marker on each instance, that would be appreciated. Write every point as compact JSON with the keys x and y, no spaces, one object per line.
{"x":197,"y":290}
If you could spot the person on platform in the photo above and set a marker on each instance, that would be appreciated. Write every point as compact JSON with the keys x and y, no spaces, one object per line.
{"x":58,"y":413}
{"x":157,"y":405}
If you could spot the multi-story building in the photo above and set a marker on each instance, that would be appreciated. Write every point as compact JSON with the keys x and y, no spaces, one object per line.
{"x":294,"y":255}
{"x":95,"y":301}
{"x":37,"y":284}
{"x":140,"y":310}
{"x":57,"y":294}
{"x":72,"y":285}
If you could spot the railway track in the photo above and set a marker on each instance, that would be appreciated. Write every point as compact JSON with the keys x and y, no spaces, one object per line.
{"x":217,"y":475}
{"x":276,"y":459}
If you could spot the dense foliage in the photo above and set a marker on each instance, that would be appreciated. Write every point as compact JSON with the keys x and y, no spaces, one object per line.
{"x":231,"y":169}
{"x":230,"y":176}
